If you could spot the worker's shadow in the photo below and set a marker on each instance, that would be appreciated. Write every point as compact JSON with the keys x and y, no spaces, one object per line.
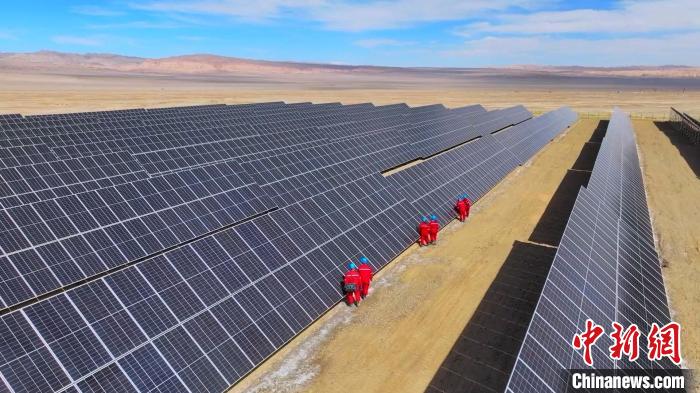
{"x":484,"y":354}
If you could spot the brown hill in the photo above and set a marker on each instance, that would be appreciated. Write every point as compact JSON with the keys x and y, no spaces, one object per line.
{"x":57,"y":60}
{"x":187,"y":64}
{"x":212,"y":64}
{"x":204,"y":64}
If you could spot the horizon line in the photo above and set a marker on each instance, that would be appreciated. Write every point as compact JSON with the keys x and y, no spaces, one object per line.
{"x":334,"y":64}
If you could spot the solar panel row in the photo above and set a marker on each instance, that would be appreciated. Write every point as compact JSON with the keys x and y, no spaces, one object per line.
{"x":292,"y":176}
{"x":432,"y":138}
{"x":526,"y":139}
{"x":25,"y":155}
{"x":174,"y":146}
{"x":606,"y":269}
{"x":32,"y":183}
{"x":186,"y":279}
{"x":686,"y":125}
{"x":54,"y":243}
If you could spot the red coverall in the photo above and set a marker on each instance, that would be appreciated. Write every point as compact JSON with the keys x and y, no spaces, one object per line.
{"x":461,"y":209}
{"x":353,"y":277}
{"x":366,"y":277}
{"x":434,"y":228}
{"x":424,"y":232}
{"x":463,"y":206}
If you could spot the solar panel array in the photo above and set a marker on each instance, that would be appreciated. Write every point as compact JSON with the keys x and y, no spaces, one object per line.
{"x":606,"y":269}
{"x":175,"y":249}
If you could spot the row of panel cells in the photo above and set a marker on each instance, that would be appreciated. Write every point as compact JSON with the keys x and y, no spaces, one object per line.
{"x":55,"y":264}
{"x":111,"y":205}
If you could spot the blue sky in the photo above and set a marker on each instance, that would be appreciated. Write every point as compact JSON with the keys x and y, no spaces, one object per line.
{"x":461,"y":33}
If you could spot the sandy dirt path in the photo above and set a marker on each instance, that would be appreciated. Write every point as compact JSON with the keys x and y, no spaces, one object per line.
{"x":401,"y":334}
{"x":671,"y":168}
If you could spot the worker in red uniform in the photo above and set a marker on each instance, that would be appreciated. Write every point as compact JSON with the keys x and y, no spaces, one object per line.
{"x":468,"y":204}
{"x":352,"y":284}
{"x":365,"y":275}
{"x":424,"y":231}
{"x":463,"y":206}
{"x":434,"y":228}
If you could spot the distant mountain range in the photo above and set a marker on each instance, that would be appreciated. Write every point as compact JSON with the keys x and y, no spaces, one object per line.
{"x":204,"y":64}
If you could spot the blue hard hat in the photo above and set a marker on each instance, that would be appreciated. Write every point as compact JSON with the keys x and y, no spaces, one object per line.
{"x":364,"y":259}
{"x":352,"y":265}
{"x":424,"y":218}
{"x":433,"y":217}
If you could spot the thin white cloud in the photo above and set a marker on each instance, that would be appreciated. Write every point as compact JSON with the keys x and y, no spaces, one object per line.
{"x":381,"y":42}
{"x":629,"y":17}
{"x":678,"y":48}
{"x":344,"y":15}
{"x":643,"y":32}
{"x":95,"y":10}
{"x":78,"y":40}
{"x":378,"y":15}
